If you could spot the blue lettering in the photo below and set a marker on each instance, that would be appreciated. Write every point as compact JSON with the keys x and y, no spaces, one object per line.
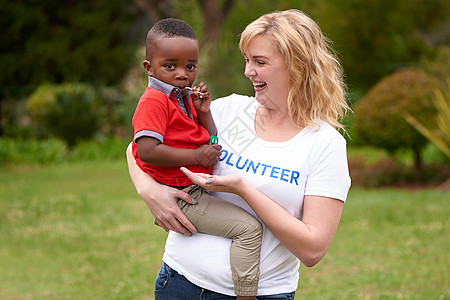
{"x":274,"y":172}
{"x":252,"y":165}
{"x":228,"y":160}
{"x":237,"y":163}
{"x":249,"y":165}
{"x":224,"y":156}
{"x":284,"y":174}
{"x":265,"y":167}
{"x":295,"y":175}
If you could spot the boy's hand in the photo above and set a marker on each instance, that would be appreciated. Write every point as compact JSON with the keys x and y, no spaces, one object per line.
{"x":202,"y":97}
{"x":207,"y":155}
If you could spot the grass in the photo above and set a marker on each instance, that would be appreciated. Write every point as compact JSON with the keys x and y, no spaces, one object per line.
{"x":79,"y":231}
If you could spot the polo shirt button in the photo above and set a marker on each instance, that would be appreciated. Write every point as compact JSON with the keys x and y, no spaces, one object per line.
{"x":176,"y":90}
{"x":179,"y":100}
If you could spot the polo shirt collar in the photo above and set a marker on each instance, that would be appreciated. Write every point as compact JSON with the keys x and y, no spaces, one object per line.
{"x":167,"y":88}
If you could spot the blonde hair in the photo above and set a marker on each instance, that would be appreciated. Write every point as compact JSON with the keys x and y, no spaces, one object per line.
{"x":316,"y":79}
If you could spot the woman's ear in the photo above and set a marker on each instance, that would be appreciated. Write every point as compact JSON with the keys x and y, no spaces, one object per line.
{"x":148,"y":67}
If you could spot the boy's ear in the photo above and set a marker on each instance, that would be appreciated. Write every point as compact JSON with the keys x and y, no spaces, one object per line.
{"x":148,"y":67}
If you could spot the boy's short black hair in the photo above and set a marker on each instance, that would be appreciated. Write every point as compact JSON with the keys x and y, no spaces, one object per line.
{"x":167,"y":28}
{"x":171,"y":27}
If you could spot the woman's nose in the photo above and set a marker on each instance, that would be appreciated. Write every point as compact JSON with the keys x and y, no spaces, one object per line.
{"x":249,"y":71}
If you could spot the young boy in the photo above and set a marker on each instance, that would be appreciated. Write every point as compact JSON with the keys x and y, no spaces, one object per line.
{"x":172,"y":126}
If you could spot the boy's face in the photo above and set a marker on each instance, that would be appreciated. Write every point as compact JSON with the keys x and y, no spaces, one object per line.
{"x":174,"y":61}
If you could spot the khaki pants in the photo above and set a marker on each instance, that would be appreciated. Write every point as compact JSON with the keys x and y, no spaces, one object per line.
{"x":215,"y":216}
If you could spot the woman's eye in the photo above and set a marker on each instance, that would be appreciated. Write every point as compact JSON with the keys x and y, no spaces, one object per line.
{"x":260,"y":62}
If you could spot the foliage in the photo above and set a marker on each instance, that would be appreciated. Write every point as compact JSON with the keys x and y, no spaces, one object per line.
{"x":80,"y":231}
{"x":438,"y":65}
{"x":58,"y":41}
{"x":31,"y":151}
{"x":391,"y":172}
{"x":48,"y":151}
{"x":440,"y":136}
{"x":109,"y":148}
{"x":375,"y":38}
{"x":71,"y":112}
{"x":95,"y":41}
{"x":379,"y":115}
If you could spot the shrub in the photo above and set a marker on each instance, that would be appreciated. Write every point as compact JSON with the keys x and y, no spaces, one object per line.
{"x":440,"y":136}
{"x":110,"y":147}
{"x":71,"y":112}
{"x":389,"y":171}
{"x":379,"y":117}
{"x":31,"y":151}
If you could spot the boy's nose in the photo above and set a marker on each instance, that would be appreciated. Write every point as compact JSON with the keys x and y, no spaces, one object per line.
{"x":182,"y":75}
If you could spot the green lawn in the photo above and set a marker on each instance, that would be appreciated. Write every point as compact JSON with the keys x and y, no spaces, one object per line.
{"x":79,"y":231}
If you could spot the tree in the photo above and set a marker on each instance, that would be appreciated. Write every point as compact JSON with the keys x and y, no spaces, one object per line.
{"x":58,"y":41}
{"x":379,"y":116}
{"x":376,"y":38}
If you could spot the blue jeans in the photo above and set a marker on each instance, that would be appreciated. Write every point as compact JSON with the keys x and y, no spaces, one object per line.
{"x":170,"y":285}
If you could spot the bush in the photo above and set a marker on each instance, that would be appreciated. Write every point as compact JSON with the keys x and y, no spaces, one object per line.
{"x":21,"y":152}
{"x":379,"y":117}
{"x":31,"y":151}
{"x":97,"y":150}
{"x":71,"y":112}
{"x":389,"y":171}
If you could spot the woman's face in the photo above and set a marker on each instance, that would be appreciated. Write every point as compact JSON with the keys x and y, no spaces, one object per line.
{"x":266,"y":68}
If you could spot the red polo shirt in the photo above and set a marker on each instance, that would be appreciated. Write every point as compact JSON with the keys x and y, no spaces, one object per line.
{"x":161,"y":117}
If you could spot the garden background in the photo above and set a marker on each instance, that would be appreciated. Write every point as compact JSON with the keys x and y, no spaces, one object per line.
{"x":71,"y":223}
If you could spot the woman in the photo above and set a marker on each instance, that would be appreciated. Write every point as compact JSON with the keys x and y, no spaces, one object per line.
{"x":282,"y":160}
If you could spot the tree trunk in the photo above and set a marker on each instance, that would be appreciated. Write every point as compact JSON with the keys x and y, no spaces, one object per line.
{"x":1,"y":116}
{"x":214,"y":16}
{"x":156,"y":10}
{"x":418,"y":164}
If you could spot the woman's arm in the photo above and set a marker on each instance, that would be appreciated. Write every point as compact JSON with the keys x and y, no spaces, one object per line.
{"x":308,"y":239}
{"x":160,"y":199}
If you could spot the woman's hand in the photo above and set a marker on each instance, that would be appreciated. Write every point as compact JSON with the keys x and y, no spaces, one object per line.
{"x":160,"y":199}
{"x":308,"y":239}
{"x":232,"y":183}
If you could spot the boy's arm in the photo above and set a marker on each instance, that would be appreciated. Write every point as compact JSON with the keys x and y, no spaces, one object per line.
{"x":152,"y":151}
{"x":202,"y":101}
{"x":206,"y":120}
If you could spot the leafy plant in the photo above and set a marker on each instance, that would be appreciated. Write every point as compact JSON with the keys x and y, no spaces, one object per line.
{"x":379,"y":117}
{"x":71,"y":112}
{"x":440,"y":136}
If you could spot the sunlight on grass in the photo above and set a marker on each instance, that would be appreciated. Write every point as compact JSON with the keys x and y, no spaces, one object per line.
{"x":79,"y":231}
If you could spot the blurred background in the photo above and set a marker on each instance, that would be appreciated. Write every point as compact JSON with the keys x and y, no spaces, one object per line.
{"x":71,"y":223}
{"x":72,"y":70}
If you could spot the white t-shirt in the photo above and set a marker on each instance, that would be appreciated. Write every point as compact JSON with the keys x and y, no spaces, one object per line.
{"x":314,"y":162}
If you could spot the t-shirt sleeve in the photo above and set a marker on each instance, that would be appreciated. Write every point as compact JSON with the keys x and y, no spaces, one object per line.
{"x":151,"y":119}
{"x":329,"y":176}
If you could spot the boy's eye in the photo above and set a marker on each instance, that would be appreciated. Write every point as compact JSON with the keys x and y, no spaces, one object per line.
{"x":170,"y":67}
{"x":191,"y":67}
